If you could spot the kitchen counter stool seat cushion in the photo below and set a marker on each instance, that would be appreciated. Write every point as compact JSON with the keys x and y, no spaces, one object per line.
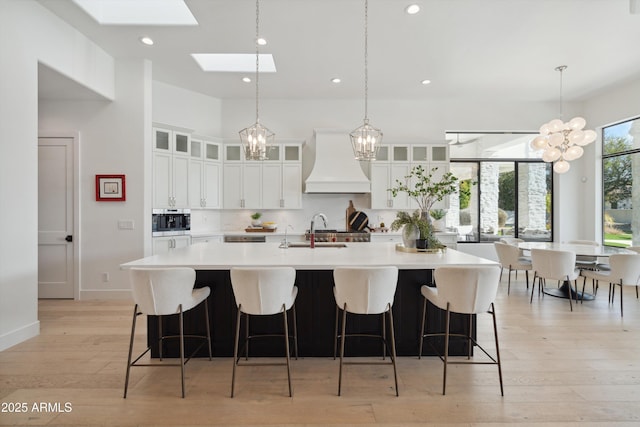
{"x":465,"y":290}
{"x":625,"y":270}
{"x":163,"y":292}
{"x":264,"y":292}
{"x":366,"y":291}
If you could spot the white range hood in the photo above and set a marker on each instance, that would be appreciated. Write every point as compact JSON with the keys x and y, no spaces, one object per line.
{"x":335,"y":170}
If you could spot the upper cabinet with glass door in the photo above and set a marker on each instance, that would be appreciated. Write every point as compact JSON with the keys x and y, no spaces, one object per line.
{"x":174,"y":141}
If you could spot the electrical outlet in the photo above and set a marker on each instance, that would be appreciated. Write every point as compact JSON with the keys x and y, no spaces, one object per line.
{"x":105,"y":277}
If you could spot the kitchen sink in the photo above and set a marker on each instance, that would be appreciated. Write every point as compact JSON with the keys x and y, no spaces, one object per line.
{"x":318,"y":245}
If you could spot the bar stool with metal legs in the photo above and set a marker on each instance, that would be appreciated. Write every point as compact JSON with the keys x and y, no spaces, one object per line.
{"x":366,"y":290}
{"x":164,"y":292}
{"x":466,"y":290}
{"x":264,"y":292}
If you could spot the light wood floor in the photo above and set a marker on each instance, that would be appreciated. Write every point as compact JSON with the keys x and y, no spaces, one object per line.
{"x":560,"y":368}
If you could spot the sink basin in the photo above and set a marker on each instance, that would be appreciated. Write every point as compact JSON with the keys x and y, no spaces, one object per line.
{"x":318,"y":245}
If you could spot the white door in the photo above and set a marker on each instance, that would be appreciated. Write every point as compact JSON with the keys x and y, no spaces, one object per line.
{"x":55,"y":218}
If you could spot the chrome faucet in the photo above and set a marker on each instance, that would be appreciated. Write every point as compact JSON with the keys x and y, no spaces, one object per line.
{"x":312,"y":228}
{"x":285,"y":243}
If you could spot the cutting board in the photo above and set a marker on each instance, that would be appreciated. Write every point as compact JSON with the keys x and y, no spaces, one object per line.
{"x":350,"y":211}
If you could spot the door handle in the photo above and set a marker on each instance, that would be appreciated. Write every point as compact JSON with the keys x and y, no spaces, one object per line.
{"x":69,"y":238}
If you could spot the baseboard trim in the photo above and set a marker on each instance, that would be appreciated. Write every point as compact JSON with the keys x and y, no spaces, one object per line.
{"x":105,"y":294}
{"x":19,"y":335}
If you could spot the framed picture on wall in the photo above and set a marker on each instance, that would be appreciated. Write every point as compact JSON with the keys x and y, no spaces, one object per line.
{"x":110,"y":188}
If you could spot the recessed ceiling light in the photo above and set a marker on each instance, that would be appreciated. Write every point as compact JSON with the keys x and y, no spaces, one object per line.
{"x":335,"y":80}
{"x":146,"y":40}
{"x":261,"y":41}
{"x":234,"y":62}
{"x":246,"y":79}
{"x":412,"y":9}
{"x":139,"y":12}
{"x":425,"y":82}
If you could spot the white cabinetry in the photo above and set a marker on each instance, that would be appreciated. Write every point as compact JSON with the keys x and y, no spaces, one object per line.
{"x":205,"y":174}
{"x":163,"y":245}
{"x":274,"y":183}
{"x":170,"y":168}
{"x":394,"y":163}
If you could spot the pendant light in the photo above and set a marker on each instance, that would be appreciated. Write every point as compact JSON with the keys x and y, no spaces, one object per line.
{"x":366,"y":139}
{"x":563,"y":142}
{"x":257,"y":139}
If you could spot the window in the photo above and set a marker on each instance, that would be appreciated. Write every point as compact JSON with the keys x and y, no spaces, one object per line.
{"x":500,"y":195}
{"x":620,"y":163}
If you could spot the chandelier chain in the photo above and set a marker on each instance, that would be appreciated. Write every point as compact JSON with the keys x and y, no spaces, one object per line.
{"x":561,"y":68}
{"x":366,"y":57}
{"x":257,"y":57}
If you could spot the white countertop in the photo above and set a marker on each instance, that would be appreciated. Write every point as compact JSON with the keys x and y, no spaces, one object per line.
{"x":223,"y":256}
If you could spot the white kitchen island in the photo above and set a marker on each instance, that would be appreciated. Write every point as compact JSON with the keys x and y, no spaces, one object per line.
{"x":223,"y":256}
{"x":315,"y":303}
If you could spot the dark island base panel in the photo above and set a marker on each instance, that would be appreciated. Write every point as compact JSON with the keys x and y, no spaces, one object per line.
{"x":315,"y":307}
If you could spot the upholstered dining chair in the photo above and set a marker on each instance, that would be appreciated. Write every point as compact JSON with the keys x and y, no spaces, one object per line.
{"x":264,"y":292}
{"x":465,"y":290}
{"x":586,"y":262}
{"x":554,"y":265}
{"x":164,"y":292}
{"x":625,"y":271}
{"x":365,"y":291}
{"x":509,"y":257}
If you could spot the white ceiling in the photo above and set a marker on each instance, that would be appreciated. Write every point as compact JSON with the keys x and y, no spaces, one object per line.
{"x":484,"y":49}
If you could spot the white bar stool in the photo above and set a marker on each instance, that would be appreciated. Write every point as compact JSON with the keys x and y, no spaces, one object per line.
{"x":465,"y":290}
{"x":365,"y":290}
{"x":164,"y":292}
{"x":264,"y":292}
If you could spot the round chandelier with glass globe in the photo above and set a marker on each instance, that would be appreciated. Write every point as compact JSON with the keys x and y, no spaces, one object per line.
{"x":562,"y":142}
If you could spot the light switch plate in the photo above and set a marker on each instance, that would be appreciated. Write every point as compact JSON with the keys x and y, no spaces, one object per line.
{"x":125,"y":224}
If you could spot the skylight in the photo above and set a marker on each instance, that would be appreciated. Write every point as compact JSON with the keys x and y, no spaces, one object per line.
{"x":234,"y":62}
{"x":138,"y":12}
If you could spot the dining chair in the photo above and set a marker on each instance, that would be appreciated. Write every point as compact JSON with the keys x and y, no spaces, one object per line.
{"x":465,"y":290}
{"x":625,"y":271}
{"x":587,"y":262}
{"x":366,"y":291}
{"x":164,"y":292}
{"x":554,"y":265}
{"x":264,"y":292}
{"x":509,"y":257}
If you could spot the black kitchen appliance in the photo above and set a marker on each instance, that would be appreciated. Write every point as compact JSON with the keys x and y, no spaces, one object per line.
{"x":171,"y":222}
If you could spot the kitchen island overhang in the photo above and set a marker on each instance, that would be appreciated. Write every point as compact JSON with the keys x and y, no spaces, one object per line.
{"x":315,"y":303}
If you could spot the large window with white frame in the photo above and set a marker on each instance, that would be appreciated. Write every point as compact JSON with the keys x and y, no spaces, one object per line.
{"x":505,"y":190}
{"x":620,"y":185}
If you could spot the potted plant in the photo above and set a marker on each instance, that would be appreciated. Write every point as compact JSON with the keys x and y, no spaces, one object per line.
{"x":255,"y":219}
{"x":437,"y":215}
{"x":416,"y":231}
{"x":426,"y":190}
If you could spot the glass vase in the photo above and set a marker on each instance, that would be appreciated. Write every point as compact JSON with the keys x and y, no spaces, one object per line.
{"x":410,"y":233}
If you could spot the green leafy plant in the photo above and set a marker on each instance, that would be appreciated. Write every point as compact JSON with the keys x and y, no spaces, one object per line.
{"x":421,"y":186}
{"x":437,"y":214}
{"x":256,"y":216}
{"x":424,"y":226}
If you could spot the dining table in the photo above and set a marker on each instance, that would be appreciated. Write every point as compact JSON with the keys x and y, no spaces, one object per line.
{"x":565,"y":290}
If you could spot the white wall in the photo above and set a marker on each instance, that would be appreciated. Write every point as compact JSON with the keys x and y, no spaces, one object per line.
{"x":115,"y":138}
{"x":63,"y":49}
{"x":187,"y":109}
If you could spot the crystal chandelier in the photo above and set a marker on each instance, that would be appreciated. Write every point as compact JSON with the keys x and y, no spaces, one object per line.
{"x":257,"y":139}
{"x":366,"y":139}
{"x":563,"y":142}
